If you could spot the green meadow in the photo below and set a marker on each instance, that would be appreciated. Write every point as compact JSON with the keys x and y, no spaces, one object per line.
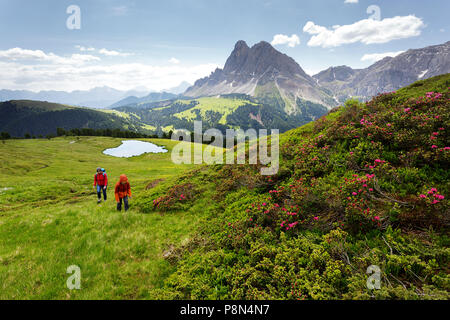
{"x":50,"y":220}
{"x":213,"y":104}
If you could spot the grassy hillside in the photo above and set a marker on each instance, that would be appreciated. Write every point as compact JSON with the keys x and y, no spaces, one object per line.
{"x":226,"y":111}
{"x":49,"y":220}
{"x":365,"y":186}
{"x":20,"y":117}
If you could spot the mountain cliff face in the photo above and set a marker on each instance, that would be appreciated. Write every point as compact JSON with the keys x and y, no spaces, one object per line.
{"x":265,"y":73}
{"x":388,"y":74}
{"x":341,"y":73}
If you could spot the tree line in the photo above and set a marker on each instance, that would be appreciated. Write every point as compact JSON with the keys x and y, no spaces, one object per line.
{"x":114,"y":133}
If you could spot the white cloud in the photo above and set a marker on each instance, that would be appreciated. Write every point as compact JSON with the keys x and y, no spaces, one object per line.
{"x":81,"y":48}
{"x":174,"y":60}
{"x":374,"y":57}
{"x":113,"y":53}
{"x":19,"y":54}
{"x":36,"y":70}
{"x":351,"y":1}
{"x":367,"y":31}
{"x":23,"y":54}
{"x":106,"y":52}
{"x":291,"y":41}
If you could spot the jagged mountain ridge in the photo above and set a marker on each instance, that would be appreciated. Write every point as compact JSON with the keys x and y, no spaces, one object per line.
{"x":261,"y":71}
{"x":388,"y":74}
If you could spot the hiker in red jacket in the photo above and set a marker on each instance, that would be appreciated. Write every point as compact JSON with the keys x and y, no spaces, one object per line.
{"x":101,"y":182}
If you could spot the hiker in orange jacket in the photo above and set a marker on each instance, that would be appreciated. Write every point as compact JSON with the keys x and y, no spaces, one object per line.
{"x":122,"y":192}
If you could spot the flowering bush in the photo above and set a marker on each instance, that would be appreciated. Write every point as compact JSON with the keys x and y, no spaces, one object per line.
{"x":361,"y":186}
{"x":175,"y":198}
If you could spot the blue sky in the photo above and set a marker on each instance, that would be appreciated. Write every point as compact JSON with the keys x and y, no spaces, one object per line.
{"x":157,"y":44}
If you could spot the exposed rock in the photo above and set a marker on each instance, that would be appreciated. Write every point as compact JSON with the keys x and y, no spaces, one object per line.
{"x":261,"y":71}
{"x":388,"y":74}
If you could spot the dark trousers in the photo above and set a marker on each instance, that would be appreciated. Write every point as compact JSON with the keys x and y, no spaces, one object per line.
{"x":99,"y":192}
{"x":119,"y":204}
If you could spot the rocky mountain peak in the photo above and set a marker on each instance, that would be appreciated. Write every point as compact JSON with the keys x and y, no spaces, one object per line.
{"x":340,"y":73}
{"x":238,"y":57}
{"x":260,"y":71}
{"x":241,"y":45}
{"x":261,"y":59}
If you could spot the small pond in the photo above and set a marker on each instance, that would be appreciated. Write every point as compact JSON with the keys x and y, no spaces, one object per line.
{"x":133,"y":148}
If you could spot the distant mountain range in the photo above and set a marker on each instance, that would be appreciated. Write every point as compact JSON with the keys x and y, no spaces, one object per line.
{"x":171,"y":93}
{"x":152,"y":97}
{"x":388,"y":74}
{"x":182,"y":87}
{"x":98,"y":98}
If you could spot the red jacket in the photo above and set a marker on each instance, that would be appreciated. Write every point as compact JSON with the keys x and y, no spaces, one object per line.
{"x":122,"y":191}
{"x":101,"y":179}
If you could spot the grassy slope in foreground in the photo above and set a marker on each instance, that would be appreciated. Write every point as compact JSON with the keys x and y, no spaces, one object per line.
{"x":49,"y":220}
{"x":368,"y":184}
